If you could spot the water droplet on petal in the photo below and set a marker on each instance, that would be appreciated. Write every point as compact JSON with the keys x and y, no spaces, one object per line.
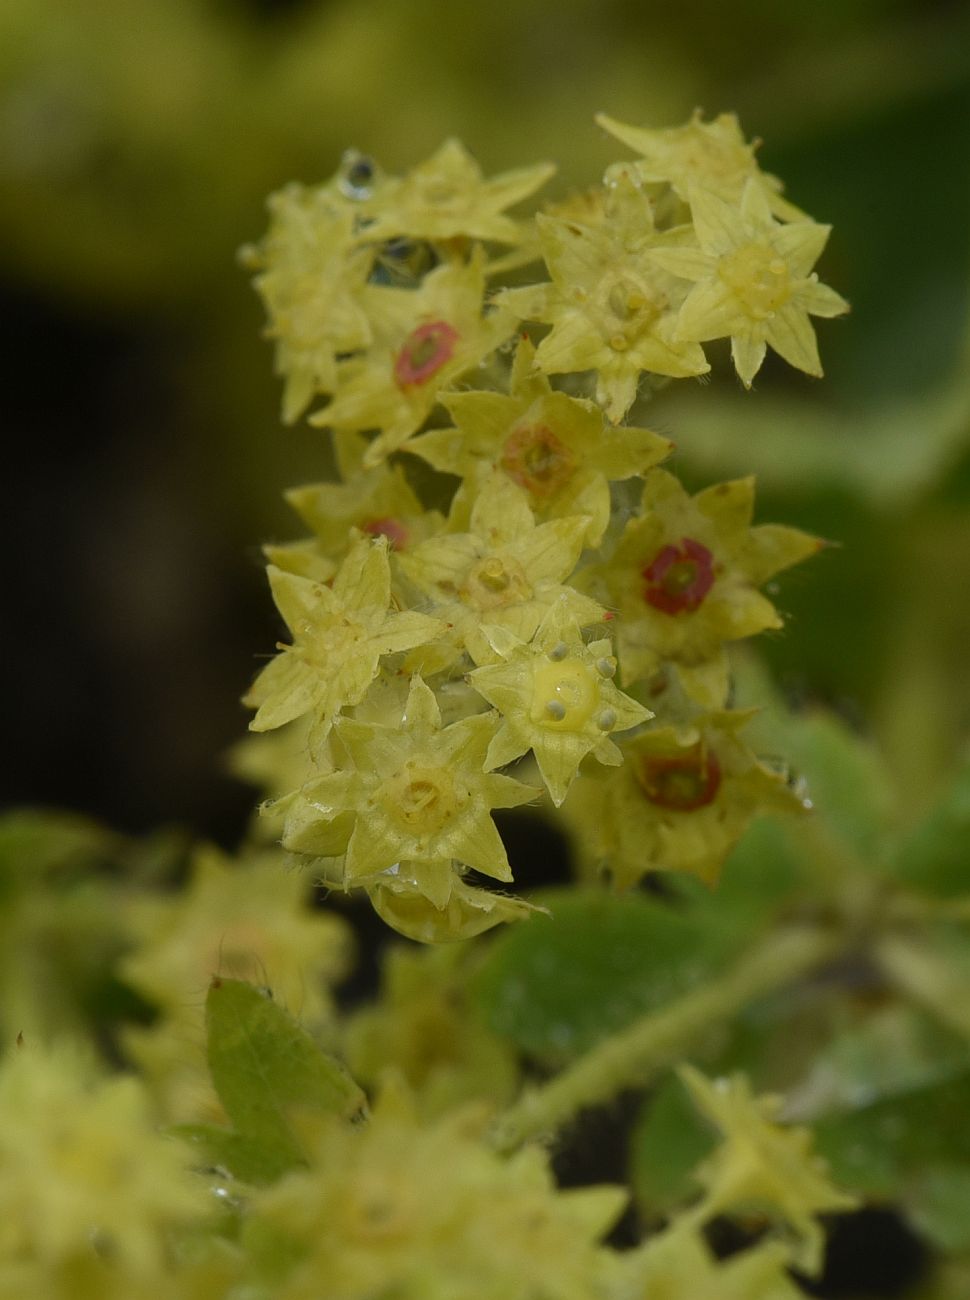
{"x":357,"y":175}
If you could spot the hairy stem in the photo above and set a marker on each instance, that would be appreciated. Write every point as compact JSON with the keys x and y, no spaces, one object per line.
{"x":631,"y":1057}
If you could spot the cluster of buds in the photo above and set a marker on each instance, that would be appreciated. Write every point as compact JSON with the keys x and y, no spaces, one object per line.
{"x":545,"y":588}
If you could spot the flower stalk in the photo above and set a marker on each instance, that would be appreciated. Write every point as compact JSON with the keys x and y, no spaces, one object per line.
{"x":632,"y":1057}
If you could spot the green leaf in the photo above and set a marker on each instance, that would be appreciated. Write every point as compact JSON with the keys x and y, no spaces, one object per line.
{"x":912,"y":1148}
{"x":36,"y":842}
{"x":846,"y":777}
{"x":265,"y":1066}
{"x":246,"y":1158}
{"x":939,"y":1207}
{"x":847,"y":780}
{"x":599,"y":962}
{"x":669,"y":1141}
{"x":935,"y":857}
{"x":760,"y":876}
{"x":789,"y":443}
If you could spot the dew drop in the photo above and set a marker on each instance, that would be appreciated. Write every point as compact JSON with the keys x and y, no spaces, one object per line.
{"x":559,"y":652}
{"x":357,"y":175}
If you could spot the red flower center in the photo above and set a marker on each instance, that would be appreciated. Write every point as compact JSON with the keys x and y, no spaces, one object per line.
{"x":537,"y":460}
{"x":683,"y":782}
{"x":679,"y":577}
{"x":425,"y":351}
{"x":392,"y":529}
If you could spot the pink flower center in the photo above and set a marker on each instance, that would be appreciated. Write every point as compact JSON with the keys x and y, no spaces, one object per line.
{"x":681,"y":783}
{"x":537,"y":460}
{"x":679,"y":577}
{"x":425,"y":351}
{"x":392,"y":529}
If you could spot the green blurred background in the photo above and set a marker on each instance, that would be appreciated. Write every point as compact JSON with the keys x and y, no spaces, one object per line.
{"x":144,"y":458}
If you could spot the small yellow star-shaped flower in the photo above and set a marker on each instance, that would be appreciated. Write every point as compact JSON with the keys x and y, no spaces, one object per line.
{"x":713,"y":155}
{"x":558,"y":449}
{"x":86,"y":1174}
{"x":557,"y":698}
{"x":684,"y":580}
{"x":247,"y":921}
{"x":312,"y":271}
{"x":445,"y":197}
{"x":469,"y":911}
{"x":419,"y":797}
{"x":377,"y":502}
{"x":339,"y":636}
{"x":612,"y":307}
{"x":762,"y":1165}
{"x":396,"y":1208}
{"x":507,"y":571}
{"x":678,"y":1264}
{"x":753,"y":282}
{"x":424,"y":340}
{"x":680,"y":802}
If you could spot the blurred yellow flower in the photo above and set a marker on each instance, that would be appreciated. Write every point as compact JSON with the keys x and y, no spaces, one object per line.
{"x":677,"y":1264}
{"x":680,"y":802}
{"x":445,"y":197}
{"x":312,"y":269}
{"x":83,"y":1171}
{"x":763,"y":1166}
{"x":713,"y":155}
{"x":392,"y":1207}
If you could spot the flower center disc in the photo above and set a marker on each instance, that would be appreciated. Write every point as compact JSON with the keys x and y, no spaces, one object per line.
{"x":758,"y":278}
{"x":495,"y":582}
{"x":421,"y":799}
{"x":679,"y":577}
{"x":424,"y":352}
{"x":565,"y":695}
{"x":682,"y":783}
{"x":535,"y":459}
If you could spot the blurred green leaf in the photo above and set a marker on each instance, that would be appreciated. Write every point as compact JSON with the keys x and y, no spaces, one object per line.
{"x":935,"y":856}
{"x":911,"y":1148}
{"x":888,"y":455}
{"x":844,"y":774}
{"x":264,"y":1067}
{"x":939,"y":1207}
{"x":35,"y":842}
{"x":250,"y":1159}
{"x":845,"y":778}
{"x":558,"y":985}
{"x":668,"y":1143}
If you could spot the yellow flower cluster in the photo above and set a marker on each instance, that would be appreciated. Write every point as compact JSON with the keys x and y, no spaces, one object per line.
{"x":571,"y":593}
{"x":397,"y":1208}
{"x":93,"y":1198}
